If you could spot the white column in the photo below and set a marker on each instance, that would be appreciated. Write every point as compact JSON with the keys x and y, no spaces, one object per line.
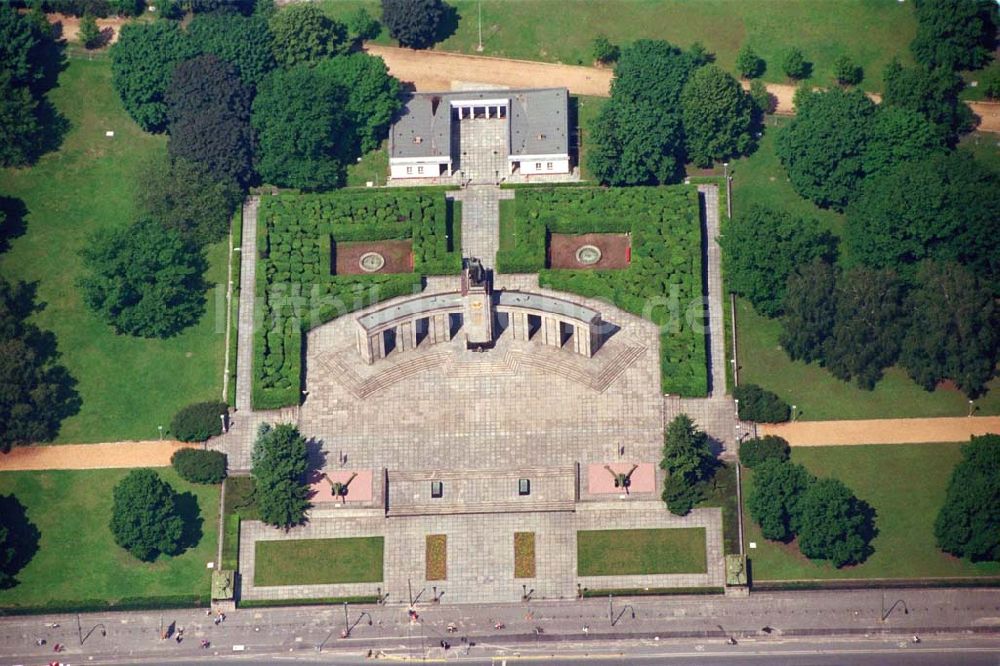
{"x":380,"y":344}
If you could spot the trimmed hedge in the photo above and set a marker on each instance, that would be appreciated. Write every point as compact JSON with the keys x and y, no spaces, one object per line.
{"x":320,"y":601}
{"x":770,"y":447}
{"x":198,"y":466}
{"x":651,"y":591}
{"x":199,"y":421}
{"x":101,"y":605}
{"x":663,"y":283}
{"x":231,"y":542}
{"x":296,"y":289}
{"x":760,"y":405}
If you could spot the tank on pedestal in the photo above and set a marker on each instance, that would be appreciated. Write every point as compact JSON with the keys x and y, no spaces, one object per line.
{"x":477,"y":305}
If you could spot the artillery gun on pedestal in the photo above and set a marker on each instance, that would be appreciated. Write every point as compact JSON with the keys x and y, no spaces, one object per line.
{"x":339,"y":489}
{"x":622,"y":479}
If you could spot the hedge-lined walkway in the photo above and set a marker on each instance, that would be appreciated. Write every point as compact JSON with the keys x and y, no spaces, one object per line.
{"x":90,"y":456}
{"x":882,"y":431}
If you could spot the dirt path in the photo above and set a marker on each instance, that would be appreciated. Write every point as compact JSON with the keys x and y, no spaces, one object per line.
{"x":69,"y":26}
{"x":90,"y":456}
{"x":438,"y":70}
{"x":883,"y":431}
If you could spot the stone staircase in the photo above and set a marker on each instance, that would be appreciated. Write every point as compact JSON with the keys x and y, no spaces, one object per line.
{"x":482,"y":507}
{"x":488,"y":365}
{"x":399,"y":371}
{"x":581,"y":370}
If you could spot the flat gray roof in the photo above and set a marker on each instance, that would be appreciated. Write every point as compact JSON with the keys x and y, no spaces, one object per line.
{"x":538,"y":122}
{"x":556,"y":306}
{"x":410,"y":308}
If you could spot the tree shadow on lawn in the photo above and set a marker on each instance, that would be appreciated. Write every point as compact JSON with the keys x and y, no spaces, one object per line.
{"x":21,"y":539}
{"x":448,"y":25}
{"x":190,"y":513}
{"x":14,"y":224}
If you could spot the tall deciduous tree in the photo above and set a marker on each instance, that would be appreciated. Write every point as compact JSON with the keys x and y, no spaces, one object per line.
{"x":762,"y":247}
{"x":833,"y":524}
{"x":303,"y":132}
{"x":142,"y":62}
{"x":931,"y":92}
{"x":20,"y":131}
{"x":19,"y":539}
{"x":373,"y":96}
{"x":36,"y":393}
{"x":810,"y":310}
{"x":144,"y":280}
{"x":414,"y":23}
{"x":968,"y":524}
{"x":748,"y":63}
{"x":954,"y":330}
{"x":279,"y":470}
{"x":717,"y":116}
{"x":823,"y":147}
{"x":777,"y":488}
{"x":638,"y":137}
{"x":794,"y":64}
{"x":208,"y":116}
{"x":144,"y":519}
{"x":304,"y":34}
{"x":848,"y":72}
{"x":869,"y":325}
{"x":90,"y":34}
{"x":182,"y":196}
{"x":944,"y":207}
{"x":244,"y":42}
{"x":955,"y":34}
{"x":898,"y":135}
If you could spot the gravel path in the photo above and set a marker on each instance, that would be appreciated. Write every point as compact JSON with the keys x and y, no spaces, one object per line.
{"x":90,"y":456}
{"x":882,"y":431}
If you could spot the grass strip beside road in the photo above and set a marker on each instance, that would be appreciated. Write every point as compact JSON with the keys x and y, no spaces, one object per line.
{"x":318,"y":561}
{"x":641,"y":552}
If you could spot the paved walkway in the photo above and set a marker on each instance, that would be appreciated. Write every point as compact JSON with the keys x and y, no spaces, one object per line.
{"x":481,"y":221}
{"x":883,"y":431}
{"x":248,"y":287}
{"x":90,"y":456}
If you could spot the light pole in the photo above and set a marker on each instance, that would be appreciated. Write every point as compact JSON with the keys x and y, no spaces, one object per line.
{"x":160,"y":428}
{"x":479,"y":48}
{"x":611,"y":611}
{"x":222,"y":417}
{"x":970,"y":408}
{"x":737,"y":401}
{"x":793,"y":413}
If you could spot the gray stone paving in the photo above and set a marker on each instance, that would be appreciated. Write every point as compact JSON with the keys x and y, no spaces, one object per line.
{"x":481,"y":149}
{"x":248,"y":277}
{"x":481,"y":221}
{"x":716,"y":335}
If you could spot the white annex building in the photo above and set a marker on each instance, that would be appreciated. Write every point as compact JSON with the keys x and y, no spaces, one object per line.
{"x":481,"y":135}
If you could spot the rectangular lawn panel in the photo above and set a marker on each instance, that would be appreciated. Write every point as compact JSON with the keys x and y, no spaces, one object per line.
{"x":905,"y":484}
{"x":318,"y":561}
{"x":640,"y":552}
{"x":524,"y":554}
{"x":437,"y":557}
{"x":663,"y":281}
{"x":296,"y":288}
{"x":128,"y":385}
{"x":77,"y":558}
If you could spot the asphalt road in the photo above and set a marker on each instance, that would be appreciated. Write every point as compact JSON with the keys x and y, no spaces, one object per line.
{"x":765,"y":622}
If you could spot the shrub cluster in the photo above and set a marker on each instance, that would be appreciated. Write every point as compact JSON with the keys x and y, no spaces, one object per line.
{"x":760,"y":405}
{"x":755,"y":451}
{"x":199,"y":421}
{"x":199,"y":466}
{"x":295,"y":250}
{"x":663,"y":281}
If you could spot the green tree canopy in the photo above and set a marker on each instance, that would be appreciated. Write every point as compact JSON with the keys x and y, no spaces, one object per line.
{"x":244,"y":42}
{"x":144,"y":280}
{"x":142,"y":62}
{"x":968,"y":524}
{"x":689,"y":462}
{"x":794,"y":64}
{"x":19,"y":539}
{"x":955,"y":34}
{"x":36,"y":393}
{"x":869,"y":324}
{"x":20,"y":131}
{"x":279,"y":470}
{"x":199,"y":421}
{"x":182,"y":196}
{"x":603,"y":50}
{"x":25,"y":50}
{"x":362,"y":26}
{"x":90,"y":34}
{"x":748,"y":63}
{"x":898,"y":135}
{"x":754,"y":452}
{"x":932,"y":93}
{"x":414,"y":23}
{"x":759,"y":404}
{"x":944,"y":207}
{"x":144,"y":518}
{"x":208,"y":116}
{"x":822,"y":148}
{"x":763,"y":246}
{"x":833,"y":524}
{"x":810,"y":310}
{"x":303,"y":132}
{"x":954,"y":334}
{"x":847,"y":72}
{"x":303,"y":34}
{"x":373,"y":96}
{"x":638,"y":138}
{"x":717,"y":116}
{"x":774,"y":500}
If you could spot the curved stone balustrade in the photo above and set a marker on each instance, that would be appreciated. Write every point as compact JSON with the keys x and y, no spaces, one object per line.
{"x":403,"y":320}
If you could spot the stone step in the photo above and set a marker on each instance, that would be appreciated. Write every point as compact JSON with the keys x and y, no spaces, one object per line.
{"x":481,"y":507}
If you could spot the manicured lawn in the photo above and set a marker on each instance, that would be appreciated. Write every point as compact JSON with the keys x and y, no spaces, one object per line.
{"x":319,"y":561}
{"x":640,"y":552}
{"x":819,"y":396}
{"x":586,"y":111}
{"x":437,"y":557}
{"x":905,"y":484}
{"x":870,"y":32}
{"x":524,"y":554}
{"x":128,"y":385}
{"x":721,"y":492}
{"x":78,"y":560}
{"x":372,"y":167}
